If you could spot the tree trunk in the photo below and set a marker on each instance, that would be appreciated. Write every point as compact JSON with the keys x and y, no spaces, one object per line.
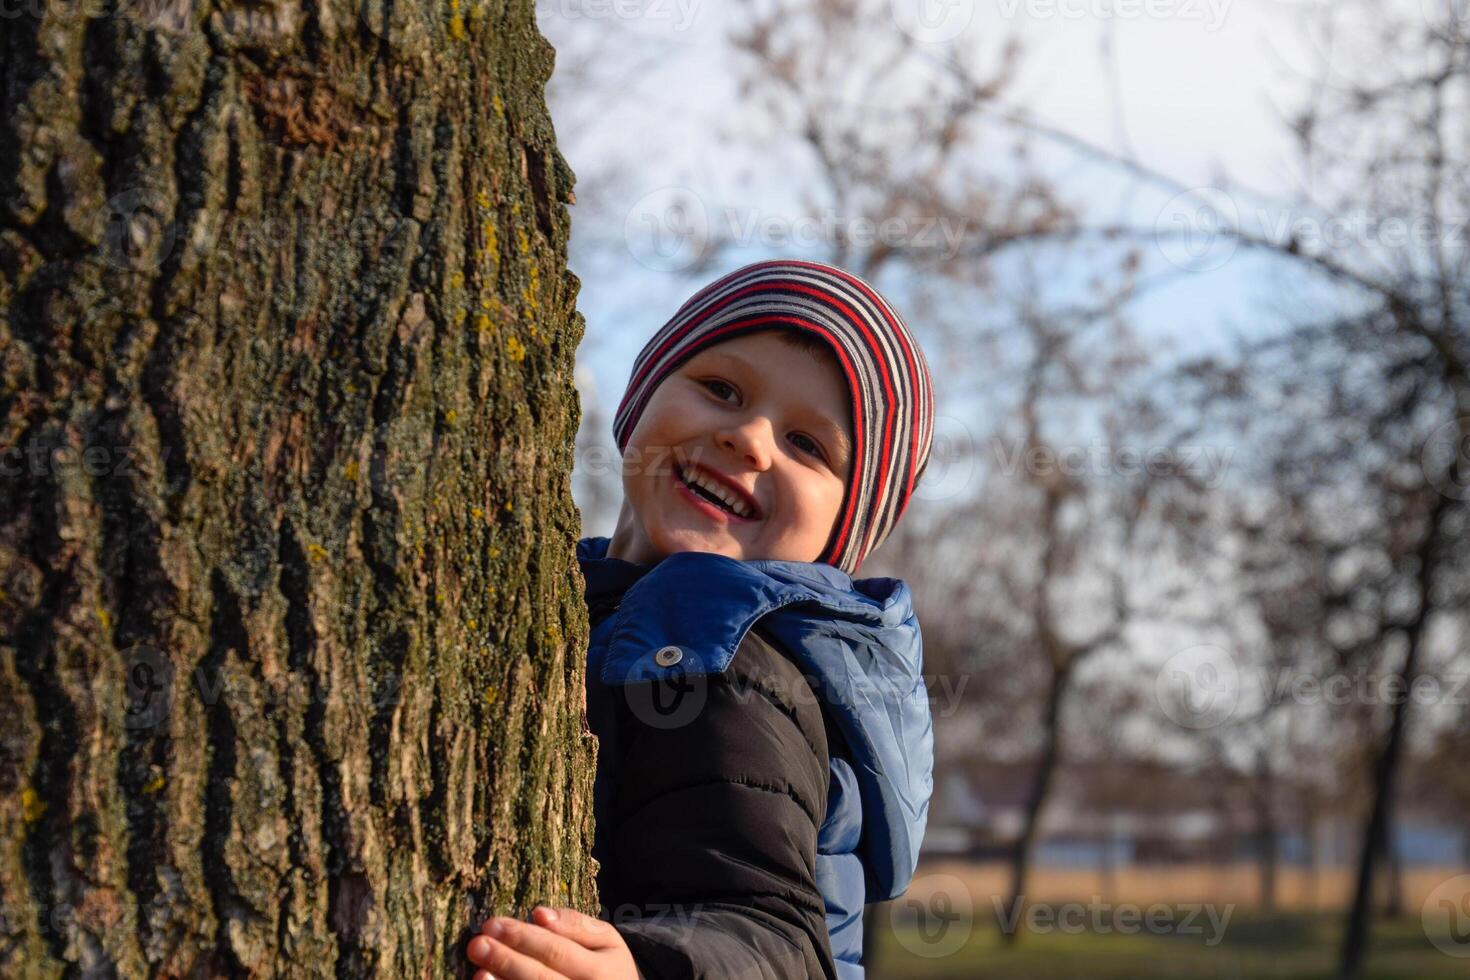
{"x":1108,"y":864}
{"x":1313,"y":858}
{"x":876,"y":919}
{"x":291,"y":633}
{"x":1036,"y":801}
{"x":1267,"y":846}
{"x":1385,"y":769}
{"x":1393,"y":872}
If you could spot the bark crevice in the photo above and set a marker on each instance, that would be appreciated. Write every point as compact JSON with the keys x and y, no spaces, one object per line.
{"x":36,"y":665}
{"x":227,"y":635}
{"x":288,"y":265}
{"x":131,"y":539}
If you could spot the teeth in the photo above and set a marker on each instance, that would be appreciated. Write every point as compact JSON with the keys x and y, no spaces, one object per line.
{"x":694,"y":478}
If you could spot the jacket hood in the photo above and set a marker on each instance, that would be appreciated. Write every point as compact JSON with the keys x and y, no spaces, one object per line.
{"x":858,"y":640}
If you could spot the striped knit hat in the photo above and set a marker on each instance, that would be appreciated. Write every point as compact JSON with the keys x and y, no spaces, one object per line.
{"x":887,"y":377}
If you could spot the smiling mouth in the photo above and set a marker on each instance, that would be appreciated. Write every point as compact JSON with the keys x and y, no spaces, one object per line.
{"x":708,"y":497}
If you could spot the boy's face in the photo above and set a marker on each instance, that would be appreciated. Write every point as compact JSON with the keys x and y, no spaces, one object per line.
{"x":771,"y":420}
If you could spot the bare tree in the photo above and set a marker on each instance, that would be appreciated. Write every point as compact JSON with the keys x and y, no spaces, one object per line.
{"x":1377,"y":389}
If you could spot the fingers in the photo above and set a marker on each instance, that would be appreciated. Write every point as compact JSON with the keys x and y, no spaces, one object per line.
{"x":513,"y":950}
{"x":583,"y":929}
{"x":500,"y":962}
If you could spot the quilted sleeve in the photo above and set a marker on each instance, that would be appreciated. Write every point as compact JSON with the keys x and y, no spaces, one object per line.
{"x":710,"y":869}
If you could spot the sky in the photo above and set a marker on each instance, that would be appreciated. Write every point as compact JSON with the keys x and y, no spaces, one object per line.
{"x":1195,"y":89}
{"x":1200,"y":92}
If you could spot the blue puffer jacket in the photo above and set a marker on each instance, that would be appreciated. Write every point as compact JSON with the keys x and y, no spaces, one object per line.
{"x":857,"y":642}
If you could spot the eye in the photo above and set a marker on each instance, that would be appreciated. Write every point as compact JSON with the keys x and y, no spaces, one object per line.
{"x":716,"y":386}
{"x":717,"y":383}
{"x":816,"y":450}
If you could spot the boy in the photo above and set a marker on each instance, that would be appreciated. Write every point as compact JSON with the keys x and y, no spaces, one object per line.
{"x":764,"y":743}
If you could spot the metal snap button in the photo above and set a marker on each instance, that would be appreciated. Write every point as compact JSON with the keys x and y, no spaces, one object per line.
{"x":668,"y":656}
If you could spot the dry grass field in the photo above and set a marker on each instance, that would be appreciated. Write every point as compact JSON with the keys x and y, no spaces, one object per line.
{"x":1143,"y":923}
{"x":1325,"y":891}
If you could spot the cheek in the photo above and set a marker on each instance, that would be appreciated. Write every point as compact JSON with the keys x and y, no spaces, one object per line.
{"x":640,"y":460}
{"x":834,"y":496}
{"x":821,"y":502}
{"x":667,"y":420}
{"x":643,"y":454}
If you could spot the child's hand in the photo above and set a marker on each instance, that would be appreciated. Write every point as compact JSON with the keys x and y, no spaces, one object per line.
{"x":565,"y":945}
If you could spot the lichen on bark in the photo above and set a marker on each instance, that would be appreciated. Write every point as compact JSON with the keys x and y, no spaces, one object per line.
{"x":290,"y":634}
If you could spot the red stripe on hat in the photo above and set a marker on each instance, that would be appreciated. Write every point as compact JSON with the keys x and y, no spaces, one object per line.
{"x":884,"y":375}
{"x":853,"y":387}
{"x":857,"y":320}
{"x":927,"y":392}
{"x":775,"y":277}
{"x":767,"y":286}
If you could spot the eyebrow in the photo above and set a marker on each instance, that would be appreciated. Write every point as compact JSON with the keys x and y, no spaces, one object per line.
{"x":834,"y":431}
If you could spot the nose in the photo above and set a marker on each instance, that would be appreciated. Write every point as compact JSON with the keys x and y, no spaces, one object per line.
{"x":751,"y":438}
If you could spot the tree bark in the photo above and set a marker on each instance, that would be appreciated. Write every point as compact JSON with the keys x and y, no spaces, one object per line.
{"x":1108,"y":863}
{"x":1359,"y":920}
{"x":876,"y":919}
{"x":1267,"y":843}
{"x":1393,"y":871}
{"x":1313,"y":862}
{"x":1036,"y":800}
{"x":291,"y":633}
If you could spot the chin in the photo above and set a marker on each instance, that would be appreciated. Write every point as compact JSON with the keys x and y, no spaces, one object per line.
{"x":686,"y":541}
